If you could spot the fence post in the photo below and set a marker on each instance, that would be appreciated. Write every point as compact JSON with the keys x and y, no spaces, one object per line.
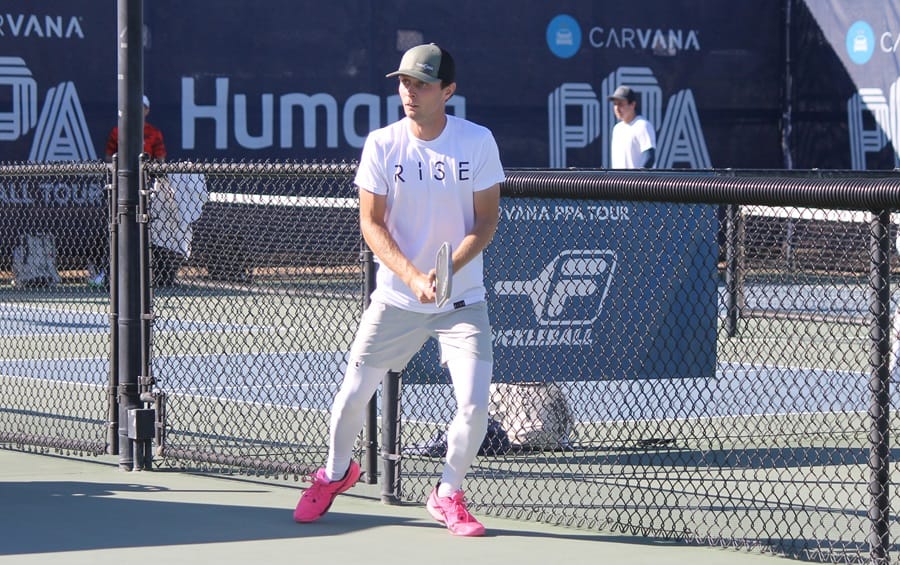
{"x":732,"y":269}
{"x":112,"y":195}
{"x":390,"y":416}
{"x":390,"y":438}
{"x":367,"y":258}
{"x":879,"y":379}
{"x":131,"y":142}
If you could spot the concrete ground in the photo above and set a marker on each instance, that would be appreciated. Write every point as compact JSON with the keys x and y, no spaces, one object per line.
{"x":69,"y":511}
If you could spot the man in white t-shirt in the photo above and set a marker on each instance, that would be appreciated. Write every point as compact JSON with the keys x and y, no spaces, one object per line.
{"x":426,"y":179}
{"x":634,"y":139}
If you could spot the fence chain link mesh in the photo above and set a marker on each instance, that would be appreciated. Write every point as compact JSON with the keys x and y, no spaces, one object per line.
{"x":54,"y":307}
{"x":257,"y":292}
{"x":689,"y":371}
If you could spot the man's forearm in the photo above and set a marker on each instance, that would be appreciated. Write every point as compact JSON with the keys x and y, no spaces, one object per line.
{"x":487,"y":216}
{"x":474,"y":243}
{"x":382,"y":244}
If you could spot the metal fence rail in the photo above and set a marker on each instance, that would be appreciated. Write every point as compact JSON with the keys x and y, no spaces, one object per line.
{"x":696,"y":355}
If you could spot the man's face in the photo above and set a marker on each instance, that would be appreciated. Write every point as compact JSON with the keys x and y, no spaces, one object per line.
{"x":423,"y":101}
{"x":624,"y":110}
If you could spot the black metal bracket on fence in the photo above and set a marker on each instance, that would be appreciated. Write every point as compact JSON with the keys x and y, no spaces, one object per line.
{"x":125,"y":390}
{"x":153,"y":428}
{"x":160,"y":424}
{"x":146,"y":384}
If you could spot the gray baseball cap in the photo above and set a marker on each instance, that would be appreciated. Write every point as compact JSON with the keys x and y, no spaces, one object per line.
{"x":623,"y":93}
{"x":428,"y":63}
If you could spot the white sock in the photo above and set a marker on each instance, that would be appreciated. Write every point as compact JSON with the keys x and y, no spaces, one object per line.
{"x":445,"y":490}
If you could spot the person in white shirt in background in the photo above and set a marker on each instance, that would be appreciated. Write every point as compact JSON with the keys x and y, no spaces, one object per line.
{"x":634,"y":139}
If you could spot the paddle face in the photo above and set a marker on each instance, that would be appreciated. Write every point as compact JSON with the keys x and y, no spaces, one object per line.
{"x":443,"y":269}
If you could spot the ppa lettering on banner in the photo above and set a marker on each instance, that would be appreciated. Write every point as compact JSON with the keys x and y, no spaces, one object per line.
{"x":582,"y":291}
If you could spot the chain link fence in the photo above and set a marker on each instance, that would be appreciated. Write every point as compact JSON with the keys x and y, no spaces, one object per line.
{"x":54,"y":310}
{"x":665,"y":364}
{"x":253,"y":319}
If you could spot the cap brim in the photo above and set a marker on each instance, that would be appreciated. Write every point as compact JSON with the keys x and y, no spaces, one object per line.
{"x":418,"y":75}
{"x":611,"y":98}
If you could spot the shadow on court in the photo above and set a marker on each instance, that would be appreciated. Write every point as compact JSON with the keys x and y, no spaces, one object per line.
{"x":73,"y":511}
{"x":70,"y":516}
{"x":75,"y":516}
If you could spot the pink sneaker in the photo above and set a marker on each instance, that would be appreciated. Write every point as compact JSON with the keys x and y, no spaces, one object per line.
{"x":317,"y":498}
{"x":451,"y":511}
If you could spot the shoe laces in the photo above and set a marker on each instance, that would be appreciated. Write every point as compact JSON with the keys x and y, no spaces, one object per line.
{"x":316,"y":482}
{"x":458,"y":502}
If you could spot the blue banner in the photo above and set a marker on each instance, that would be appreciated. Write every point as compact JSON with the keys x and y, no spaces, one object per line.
{"x":588,"y":290}
{"x":846,"y":96}
{"x":742,"y":84}
{"x":298,"y":81}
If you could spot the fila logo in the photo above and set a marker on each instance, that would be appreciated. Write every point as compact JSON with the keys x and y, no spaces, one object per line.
{"x":61,"y":132}
{"x":570,"y":290}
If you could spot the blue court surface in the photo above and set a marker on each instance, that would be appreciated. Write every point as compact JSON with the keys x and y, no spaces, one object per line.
{"x":734,"y":391}
{"x":308,"y":380}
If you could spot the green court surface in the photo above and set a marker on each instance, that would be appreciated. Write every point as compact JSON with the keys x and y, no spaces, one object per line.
{"x":74,"y":511}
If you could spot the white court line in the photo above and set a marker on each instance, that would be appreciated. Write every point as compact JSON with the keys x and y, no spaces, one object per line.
{"x":99,"y":322}
{"x":820,"y":214}
{"x":278,"y":200}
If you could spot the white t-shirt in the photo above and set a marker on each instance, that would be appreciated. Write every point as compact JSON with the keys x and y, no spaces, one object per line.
{"x":629,"y":141}
{"x":429,"y":187}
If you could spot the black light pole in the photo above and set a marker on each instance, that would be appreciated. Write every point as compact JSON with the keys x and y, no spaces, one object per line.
{"x":131,"y":141}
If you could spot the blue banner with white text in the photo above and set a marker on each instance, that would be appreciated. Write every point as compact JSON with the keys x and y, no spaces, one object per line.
{"x":591,"y":290}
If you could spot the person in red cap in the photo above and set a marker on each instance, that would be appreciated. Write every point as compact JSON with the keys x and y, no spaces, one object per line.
{"x":426,"y":179}
{"x":153,"y":139}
